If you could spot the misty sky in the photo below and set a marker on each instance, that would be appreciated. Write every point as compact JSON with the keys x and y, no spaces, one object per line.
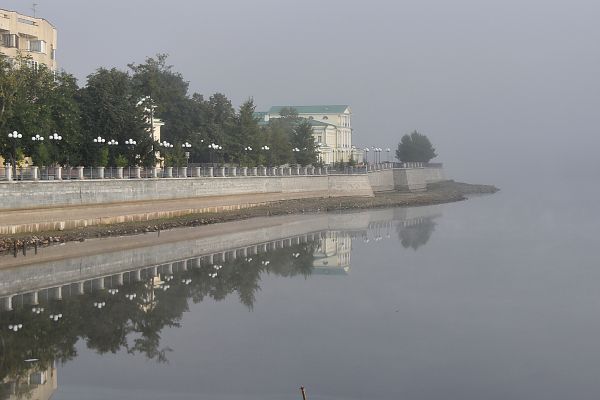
{"x":497,"y":84}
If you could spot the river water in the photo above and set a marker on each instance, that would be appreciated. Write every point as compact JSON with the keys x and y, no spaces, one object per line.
{"x":491,"y":298}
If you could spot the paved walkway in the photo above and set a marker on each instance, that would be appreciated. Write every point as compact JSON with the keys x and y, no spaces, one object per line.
{"x":43,"y":219}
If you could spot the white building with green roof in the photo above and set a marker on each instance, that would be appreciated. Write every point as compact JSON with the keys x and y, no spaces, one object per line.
{"x":332,"y":130}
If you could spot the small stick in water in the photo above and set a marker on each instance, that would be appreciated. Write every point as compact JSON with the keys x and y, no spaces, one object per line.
{"x":303,"y":392}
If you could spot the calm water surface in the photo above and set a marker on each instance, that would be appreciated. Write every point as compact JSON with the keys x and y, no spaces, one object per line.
{"x":493,"y":298}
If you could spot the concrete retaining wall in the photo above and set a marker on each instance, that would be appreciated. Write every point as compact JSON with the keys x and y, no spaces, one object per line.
{"x":382,"y":181}
{"x":405,"y":179}
{"x":44,"y":194}
{"x":434,"y":174}
{"x":410,"y":179}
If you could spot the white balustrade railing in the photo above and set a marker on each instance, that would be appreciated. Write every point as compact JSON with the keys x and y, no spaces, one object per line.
{"x":59,"y":173}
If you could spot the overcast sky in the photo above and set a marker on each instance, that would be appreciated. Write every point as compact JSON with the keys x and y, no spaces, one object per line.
{"x":497,"y":84}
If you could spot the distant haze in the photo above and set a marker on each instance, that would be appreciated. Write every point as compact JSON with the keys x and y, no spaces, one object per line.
{"x":496,"y":85}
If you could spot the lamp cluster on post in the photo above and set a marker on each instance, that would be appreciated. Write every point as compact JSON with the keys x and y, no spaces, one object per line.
{"x":267,"y":148}
{"x":99,"y":140}
{"x":15,"y":136}
{"x":166,"y":145}
{"x":212,"y":148}
{"x":186,"y":146}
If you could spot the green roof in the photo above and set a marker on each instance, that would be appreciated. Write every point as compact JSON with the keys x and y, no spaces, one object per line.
{"x":259,"y":114}
{"x":313,"y":122}
{"x":327,"y":109}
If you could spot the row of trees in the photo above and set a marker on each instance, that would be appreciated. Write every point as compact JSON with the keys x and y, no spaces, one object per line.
{"x":118,"y":106}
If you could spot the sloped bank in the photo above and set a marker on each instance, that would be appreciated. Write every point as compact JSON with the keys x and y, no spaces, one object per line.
{"x":442,"y":192}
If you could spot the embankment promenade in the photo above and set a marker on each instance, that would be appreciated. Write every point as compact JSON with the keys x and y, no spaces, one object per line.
{"x":94,"y":207}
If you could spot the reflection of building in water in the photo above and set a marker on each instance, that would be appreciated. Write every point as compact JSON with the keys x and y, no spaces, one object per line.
{"x":332,"y":256}
{"x":36,"y":385}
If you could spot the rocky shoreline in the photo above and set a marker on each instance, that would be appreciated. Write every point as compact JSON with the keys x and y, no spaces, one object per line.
{"x":443,"y":192}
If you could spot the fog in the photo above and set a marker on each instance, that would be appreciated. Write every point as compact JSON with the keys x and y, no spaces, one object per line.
{"x":506,"y":90}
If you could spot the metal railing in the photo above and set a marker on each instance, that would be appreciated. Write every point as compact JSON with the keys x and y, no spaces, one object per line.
{"x":34,"y":173}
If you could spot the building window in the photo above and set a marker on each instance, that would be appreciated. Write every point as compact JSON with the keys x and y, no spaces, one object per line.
{"x":26,"y":21}
{"x":33,"y":65}
{"x":10,"y":40}
{"x":38,"y":46}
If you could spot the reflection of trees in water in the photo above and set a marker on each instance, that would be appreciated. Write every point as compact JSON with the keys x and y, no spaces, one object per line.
{"x":416,"y":235}
{"x":131,"y":325}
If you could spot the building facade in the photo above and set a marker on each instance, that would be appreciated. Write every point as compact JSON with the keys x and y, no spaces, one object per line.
{"x":30,"y":37}
{"x":332,"y":130}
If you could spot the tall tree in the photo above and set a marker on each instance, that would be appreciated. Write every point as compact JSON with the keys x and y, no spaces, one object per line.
{"x":303,"y":140}
{"x":415,"y":147}
{"x":169,"y":91}
{"x":246,"y":135}
{"x":110,"y":110}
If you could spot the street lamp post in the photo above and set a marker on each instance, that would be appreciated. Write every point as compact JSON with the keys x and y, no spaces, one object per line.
{"x":166,"y":145}
{"x":56,"y":138}
{"x":187,"y":145}
{"x":266,"y":149}
{"x":367,"y":156}
{"x":131,"y":144}
{"x":37,"y":138}
{"x":247,"y":149}
{"x":388,"y":154}
{"x":212,"y":148}
{"x":15,"y":136}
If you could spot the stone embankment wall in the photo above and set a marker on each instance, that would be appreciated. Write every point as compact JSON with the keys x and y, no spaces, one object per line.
{"x":45,"y":194}
{"x":413,"y":179}
{"x":22,"y":195}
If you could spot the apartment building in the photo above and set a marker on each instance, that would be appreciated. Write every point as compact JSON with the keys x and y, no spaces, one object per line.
{"x":31,"y":37}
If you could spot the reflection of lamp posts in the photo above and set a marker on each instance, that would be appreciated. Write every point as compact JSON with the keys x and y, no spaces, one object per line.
{"x":15,"y":136}
{"x":187,"y":145}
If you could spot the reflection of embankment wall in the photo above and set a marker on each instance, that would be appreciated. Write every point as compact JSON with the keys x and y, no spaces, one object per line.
{"x":42,"y":194}
{"x":24,"y":274}
{"x":405,"y":179}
